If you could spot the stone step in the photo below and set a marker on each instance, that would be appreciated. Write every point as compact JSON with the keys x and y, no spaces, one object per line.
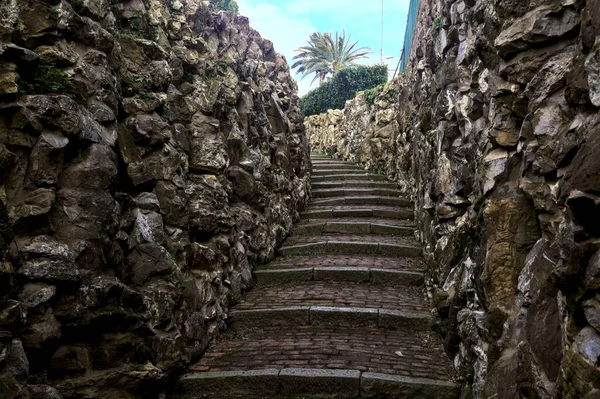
{"x":354,"y":184}
{"x":362,"y":227}
{"x":323,"y":161}
{"x":357,"y":191}
{"x":351,"y":245}
{"x":336,"y":171}
{"x":416,"y":265}
{"x":346,"y":211}
{"x":342,"y":294}
{"x":323,"y":361}
{"x":371,"y":275}
{"x":354,"y":176}
{"x":345,"y":166}
{"x":362,"y":200}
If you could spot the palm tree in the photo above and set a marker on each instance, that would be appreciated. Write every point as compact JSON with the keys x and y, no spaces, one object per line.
{"x":325,"y":55}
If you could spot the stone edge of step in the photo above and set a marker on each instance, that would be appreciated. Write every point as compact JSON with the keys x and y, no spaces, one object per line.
{"x":340,"y":273}
{"x":345,"y":383}
{"x":328,"y":316}
{"x":351,"y":247}
{"x":333,"y":227}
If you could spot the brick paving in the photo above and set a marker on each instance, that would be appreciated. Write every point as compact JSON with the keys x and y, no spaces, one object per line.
{"x":299,"y":240}
{"x":359,"y":280}
{"x":364,"y":349}
{"x":336,"y":293}
{"x":376,"y":262}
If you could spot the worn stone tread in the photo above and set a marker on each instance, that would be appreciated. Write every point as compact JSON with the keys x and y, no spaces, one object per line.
{"x":324,"y":261}
{"x":345,"y":211}
{"x":387,"y":200}
{"x":349,"y":176}
{"x":334,"y":192}
{"x":342,"y":273}
{"x":330,"y":347}
{"x":354,"y":184}
{"x":335,"y":293}
{"x":383,"y":227}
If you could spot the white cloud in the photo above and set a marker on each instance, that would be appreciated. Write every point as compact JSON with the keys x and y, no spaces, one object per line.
{"x":285,"y":31}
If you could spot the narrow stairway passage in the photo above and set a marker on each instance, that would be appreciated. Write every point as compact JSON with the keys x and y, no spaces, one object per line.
{"x":341,"y":312}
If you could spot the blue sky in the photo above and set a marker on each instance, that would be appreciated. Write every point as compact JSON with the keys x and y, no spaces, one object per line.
{"x":288,"y":24}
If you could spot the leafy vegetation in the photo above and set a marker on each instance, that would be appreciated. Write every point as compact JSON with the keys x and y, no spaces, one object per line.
{"x":371,"y":94}
{"x":325,"y":55}
{"x":436,"y":25}
{"x":45,"y":78}
{"x":225,"y":5}
{"x":344,"y":85}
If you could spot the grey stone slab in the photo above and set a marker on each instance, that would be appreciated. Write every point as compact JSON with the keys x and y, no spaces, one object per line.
{"x":347,"y":228}
{"x":229,"y":384}
{"x":384,"y":229}
{"x":396,"y":277}
{"x":394,"y":213}
{"x":283,"y":275}
{"x":296,"y":315}
{"x":400,"y":250}
{"x":395,"y":319}
{"x":320,"y":383}
{"x":395,"y":386}
{"x":355,"y":274}
{"x":303,"y":249}
{"x":341,"y":316}
{"x":350,"y":212}
{"x":318,"y":214}
{"x":313,"y":229}
{"x":352,"y":247}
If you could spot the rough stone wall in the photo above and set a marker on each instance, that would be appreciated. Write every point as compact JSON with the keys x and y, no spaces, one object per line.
{"x":151,"y":153}
{"x":496,"y":142}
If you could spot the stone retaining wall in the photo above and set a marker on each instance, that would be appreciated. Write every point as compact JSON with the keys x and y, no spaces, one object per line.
{"x":151,"y":153}
{"x":493,"y":133}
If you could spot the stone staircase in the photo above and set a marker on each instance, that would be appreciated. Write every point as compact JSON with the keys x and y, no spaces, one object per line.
{"x":340,"y":313}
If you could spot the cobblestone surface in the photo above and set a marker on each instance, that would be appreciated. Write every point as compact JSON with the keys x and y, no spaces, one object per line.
{"x":366,"y":349}
{"x":335,"y":293}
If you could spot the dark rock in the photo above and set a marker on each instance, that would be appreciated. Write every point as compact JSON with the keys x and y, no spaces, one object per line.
{"x":541,"y":25}
{"x":149,"y":260}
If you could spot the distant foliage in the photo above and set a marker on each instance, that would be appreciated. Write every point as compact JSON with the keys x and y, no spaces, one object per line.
{"x":225,"y":5}
{"x":343,"y":86}
{"x":371,"y":94}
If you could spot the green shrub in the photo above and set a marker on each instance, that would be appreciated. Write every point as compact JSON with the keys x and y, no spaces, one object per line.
{"x":343,"y":86}
{"x":45,"y":78}
{"x":225,"y":5}
{"x":371,"y":94}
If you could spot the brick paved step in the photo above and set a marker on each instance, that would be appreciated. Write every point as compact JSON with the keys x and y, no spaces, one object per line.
{"x":357,"y":191}
{"x":335,"y":171}
{"x":367,"y":220}
{"x":346,"y":166}
{"x":349,"y":176}
{"x":349,"y":261}
{"x":348,"y":244}
{"x":354,"y":184}
{"x":362,"y":200}
{"x":346,"y":211}
{"x":304,"y":383}
{"x":332,"y":227}
{"x":332,"y":303}
{"x":323,"y":361}
{"x":371,"y":275}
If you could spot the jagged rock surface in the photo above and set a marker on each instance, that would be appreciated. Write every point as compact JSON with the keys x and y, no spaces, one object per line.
{"x":151,"y":154}
{"x":493,"y":129}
